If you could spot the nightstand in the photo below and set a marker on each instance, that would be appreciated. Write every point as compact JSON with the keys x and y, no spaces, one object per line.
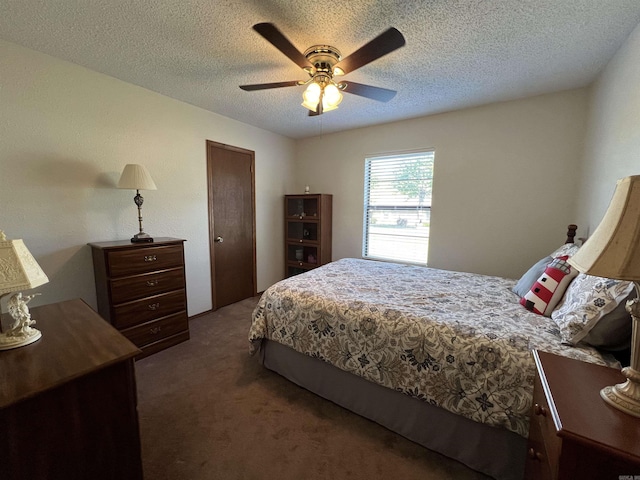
{"x":574,"y":434}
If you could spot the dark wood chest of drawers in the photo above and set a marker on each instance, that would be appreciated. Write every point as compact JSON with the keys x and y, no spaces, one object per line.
{"x":573,"y":433}
{"x":68,"y":407}
{"x":141,"y":291}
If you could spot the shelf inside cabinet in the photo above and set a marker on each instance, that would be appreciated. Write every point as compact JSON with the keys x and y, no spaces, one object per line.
{"x":291,"y":271}
{"x":301,"y":206}
{"x":307,"y":254}
{"x":302,"y":231}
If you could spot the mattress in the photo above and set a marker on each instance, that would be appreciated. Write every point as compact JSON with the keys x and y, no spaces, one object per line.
{"x":458,"y":341}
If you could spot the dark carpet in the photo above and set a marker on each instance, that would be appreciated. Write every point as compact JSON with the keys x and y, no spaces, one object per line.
{"x":208,"y":410}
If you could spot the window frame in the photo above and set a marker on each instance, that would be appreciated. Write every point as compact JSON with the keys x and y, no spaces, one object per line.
{"x":403,"y":207}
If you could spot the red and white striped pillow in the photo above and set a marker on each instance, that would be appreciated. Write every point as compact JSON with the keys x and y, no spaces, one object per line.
{"x":548,"y":290}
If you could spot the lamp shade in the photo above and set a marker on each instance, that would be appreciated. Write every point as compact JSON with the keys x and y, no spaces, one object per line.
{"x":18,"y":269}
{"x":613,"y":251}
{"x":136,"y":177}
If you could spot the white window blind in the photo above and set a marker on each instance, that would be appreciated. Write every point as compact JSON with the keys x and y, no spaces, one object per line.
{"x":397,"y":207}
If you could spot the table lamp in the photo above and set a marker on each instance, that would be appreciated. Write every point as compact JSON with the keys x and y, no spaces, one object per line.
{"x":18,"y":271}
{"x":613,"y":251}
{"x":136,"y":177}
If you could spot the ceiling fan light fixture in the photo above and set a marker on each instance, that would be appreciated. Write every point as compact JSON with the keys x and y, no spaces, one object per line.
{"x":311,"y":96}
{"x":332,"y":97}
{"x":328,"y":108}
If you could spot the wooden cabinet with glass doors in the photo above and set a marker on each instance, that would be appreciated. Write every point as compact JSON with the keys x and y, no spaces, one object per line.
{"x":307,"y":232}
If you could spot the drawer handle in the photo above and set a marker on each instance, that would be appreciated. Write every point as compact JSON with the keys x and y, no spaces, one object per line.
{"x":150,"y":258}
{"x":154,"y":306}
{"x":539,"y":410}
{"x":155,"y":330}
{"x":300,"y":241}
{"x":533,"y":455}
{"x":152,"y":283}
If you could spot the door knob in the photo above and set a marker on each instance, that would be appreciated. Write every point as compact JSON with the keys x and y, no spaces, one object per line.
{"x":219,"y":239}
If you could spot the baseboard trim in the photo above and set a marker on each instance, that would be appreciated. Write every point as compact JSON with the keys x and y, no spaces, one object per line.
{"x":201,"y":314}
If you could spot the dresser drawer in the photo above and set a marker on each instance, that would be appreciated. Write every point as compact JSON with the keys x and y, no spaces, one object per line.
{"x":542,"y":418}
{"x":142,"y":260}
{"x":537,"y":464}
{"x":132,"y":288}
{"x":149,"y":308}
{"x":155,"y":330}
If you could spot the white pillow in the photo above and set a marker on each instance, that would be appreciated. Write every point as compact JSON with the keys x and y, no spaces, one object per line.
{"x":587,"y":300}
{"x":613,"y":331}
{"x":568,"y":249}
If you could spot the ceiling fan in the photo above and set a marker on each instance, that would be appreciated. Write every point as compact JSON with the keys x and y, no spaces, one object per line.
{"x":323,"y":62}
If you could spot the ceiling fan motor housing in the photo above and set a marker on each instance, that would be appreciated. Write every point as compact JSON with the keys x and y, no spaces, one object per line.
{"x":323,"y":58}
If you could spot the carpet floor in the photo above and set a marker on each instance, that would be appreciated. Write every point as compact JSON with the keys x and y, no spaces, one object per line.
{"x":208,"y":410}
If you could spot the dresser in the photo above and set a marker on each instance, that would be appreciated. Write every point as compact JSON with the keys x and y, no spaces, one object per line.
{"x":573,"y":433}
{"x":141,"y":291}
{"x":68,"y":406}
{"x":308,"y":232}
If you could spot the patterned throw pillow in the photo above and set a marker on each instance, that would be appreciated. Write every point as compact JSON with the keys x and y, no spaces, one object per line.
{"x":568,"y":249}
{"x":588,"y":300}
{"x":547,"y":291}
{"x":529,"y":278}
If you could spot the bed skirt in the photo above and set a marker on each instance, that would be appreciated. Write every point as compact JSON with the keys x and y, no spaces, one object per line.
{"x":492,"y":451}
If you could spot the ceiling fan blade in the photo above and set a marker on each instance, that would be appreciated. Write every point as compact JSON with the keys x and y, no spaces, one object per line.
{"x":264,"y":86}
{"x":384,"y":43}
{"x":374,"y":93}
{"x":282,"y":43}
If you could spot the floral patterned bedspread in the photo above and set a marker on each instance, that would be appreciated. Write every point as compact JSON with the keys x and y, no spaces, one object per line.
{"x":460,"y":341}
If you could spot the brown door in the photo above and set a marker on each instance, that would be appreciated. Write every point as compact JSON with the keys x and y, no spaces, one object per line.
{"x":230,"y":172}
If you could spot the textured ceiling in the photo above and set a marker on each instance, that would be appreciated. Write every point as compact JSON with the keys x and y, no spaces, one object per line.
{"x":459,"y":53}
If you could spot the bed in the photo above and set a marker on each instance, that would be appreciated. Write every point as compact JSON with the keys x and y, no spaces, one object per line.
{"x":440,"y":357}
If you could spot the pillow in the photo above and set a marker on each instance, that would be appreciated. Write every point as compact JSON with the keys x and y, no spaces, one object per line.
{"x":588,"y":300}
{"x":547,"y":291}
{"x":529,"y":278}
{"x":613,"y":330}
{"x":568,"y":249}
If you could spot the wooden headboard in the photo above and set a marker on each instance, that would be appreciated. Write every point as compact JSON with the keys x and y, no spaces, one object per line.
{"x":571,"y":232}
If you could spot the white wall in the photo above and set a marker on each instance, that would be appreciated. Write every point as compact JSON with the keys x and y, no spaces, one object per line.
{"x":65,"y":134}
{"x":504,"y":179}
{"x":613,"y":136}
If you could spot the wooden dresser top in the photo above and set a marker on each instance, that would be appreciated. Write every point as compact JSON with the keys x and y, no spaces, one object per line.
{"x":75,"y":341}
{"x":573,"y":389}
{"x":157,"y":242}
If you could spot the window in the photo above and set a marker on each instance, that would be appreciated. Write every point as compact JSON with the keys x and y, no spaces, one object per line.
{"x":397,"y":207}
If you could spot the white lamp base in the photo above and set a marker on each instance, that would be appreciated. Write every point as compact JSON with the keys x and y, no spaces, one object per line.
{"x":21,"y":332}
{"x":625,"y":396}
{"x":29,"y":336}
